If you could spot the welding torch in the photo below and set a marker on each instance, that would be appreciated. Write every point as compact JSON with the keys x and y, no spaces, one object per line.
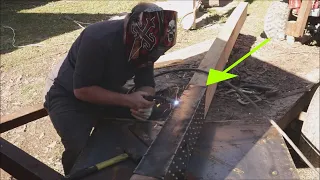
{"x":167,"y":99}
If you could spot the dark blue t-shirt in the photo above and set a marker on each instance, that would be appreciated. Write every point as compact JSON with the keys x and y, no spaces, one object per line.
{"x":98,"y":58}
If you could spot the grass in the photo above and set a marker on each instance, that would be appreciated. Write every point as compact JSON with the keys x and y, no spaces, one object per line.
{"x":38,"y":21}
{"x":255,"y":27}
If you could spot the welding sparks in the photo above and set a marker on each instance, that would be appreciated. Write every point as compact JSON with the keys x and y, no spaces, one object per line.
{"x":176,"y":102}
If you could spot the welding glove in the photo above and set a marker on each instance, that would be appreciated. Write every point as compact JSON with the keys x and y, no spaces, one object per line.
{"x":142,"y":114}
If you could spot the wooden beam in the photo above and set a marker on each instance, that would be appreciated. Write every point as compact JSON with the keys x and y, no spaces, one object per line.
{"x":22,"y":117}
{"x":218,"y":55}
{"x":291,"y":28}
{"x":296,"y":28}
{"x":303,"y":17}
{"x":302,"y":116}
{"x":21,"y":165}
{"x":196,"y":51}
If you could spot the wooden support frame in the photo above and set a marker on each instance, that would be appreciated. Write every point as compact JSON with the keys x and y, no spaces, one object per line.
{"x":23,"y":166}
{"x":14,"y":160}
{"x":175,"y":133}
{"x":296,"y":28}
{"x":22,"y":117}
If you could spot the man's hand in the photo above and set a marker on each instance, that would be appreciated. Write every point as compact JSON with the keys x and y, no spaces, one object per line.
{"x":141,"y":114}
{"x":137,"y":101}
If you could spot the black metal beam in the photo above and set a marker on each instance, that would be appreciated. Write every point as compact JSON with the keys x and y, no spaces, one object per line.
{"x":22,"y":117}
{"x":169,"y":154}
{"x":23,"y":166}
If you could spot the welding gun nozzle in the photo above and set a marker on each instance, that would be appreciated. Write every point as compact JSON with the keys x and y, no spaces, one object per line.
{"x":151,"y":98}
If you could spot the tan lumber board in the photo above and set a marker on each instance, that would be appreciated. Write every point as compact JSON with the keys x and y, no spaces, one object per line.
{"x":291,"y":28}
{"x":24,"y":116}
{"x":185,"y":54}
{"x":296,"y":28}
{"x":217,"y":56}
{"x":303,"y":16}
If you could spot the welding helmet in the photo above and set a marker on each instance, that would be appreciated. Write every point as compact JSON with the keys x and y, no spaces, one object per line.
{"x":149,"y":35}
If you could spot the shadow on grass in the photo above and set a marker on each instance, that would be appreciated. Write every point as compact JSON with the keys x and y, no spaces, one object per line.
{"x":214,"y":18}
{"x":31,"y":28}
{"x":18,"y":5}
{"x":224,"y":2}
{"x":34,"y":28}
{"x":249,"y":1}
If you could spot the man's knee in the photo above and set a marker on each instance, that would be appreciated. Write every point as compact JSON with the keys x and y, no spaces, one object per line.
{"x":74,"y":142}
{"x":74,"y":129}
{"x":73,"y":147}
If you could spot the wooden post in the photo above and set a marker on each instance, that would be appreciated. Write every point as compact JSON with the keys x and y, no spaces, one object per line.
{"x":22,"y":117}
{"x":218,"y":55}
{"x":296,"y":28}
{"x":23,"y":166}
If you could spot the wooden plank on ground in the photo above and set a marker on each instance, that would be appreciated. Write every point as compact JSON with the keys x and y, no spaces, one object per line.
{"x":191,"y":52}
{"x":24,"y":116}
{"x":218,"y":55}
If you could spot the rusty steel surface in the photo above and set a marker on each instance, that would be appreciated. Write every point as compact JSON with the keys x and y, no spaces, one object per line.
{"x":22,"y":117}
{"x":147,"y":133}
{"x":240,"y":150}
{"x":169,"y":153}
{"x":298,"y":106}
{"x":23,"y":166}
{"x":108,"y":140}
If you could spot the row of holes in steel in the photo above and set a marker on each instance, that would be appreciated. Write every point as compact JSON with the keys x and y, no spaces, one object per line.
{"x":181,"y":159}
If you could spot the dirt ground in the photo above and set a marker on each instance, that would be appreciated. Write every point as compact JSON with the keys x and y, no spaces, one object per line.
{"x":278,"y":64}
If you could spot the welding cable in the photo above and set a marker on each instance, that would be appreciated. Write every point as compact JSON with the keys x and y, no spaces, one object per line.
{"x":275,"y":125}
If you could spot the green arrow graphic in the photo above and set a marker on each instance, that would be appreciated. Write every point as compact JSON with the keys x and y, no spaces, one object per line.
{"x":216,"y":76}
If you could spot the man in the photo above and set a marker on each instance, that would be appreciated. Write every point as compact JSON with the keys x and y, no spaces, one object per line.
{"x":90,"y":79}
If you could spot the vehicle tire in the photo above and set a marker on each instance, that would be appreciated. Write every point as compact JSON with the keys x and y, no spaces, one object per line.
{"x":309,"y":141}
{"x":276,"y":20}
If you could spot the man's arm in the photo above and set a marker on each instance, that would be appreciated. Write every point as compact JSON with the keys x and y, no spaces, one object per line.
{"x":144,"y":80}
{"x":89,"y":71}
{"x":149,"y":90}
{"x":98,"y":95}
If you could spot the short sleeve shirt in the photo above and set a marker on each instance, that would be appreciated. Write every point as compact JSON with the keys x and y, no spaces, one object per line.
{"x":98,"y":58}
